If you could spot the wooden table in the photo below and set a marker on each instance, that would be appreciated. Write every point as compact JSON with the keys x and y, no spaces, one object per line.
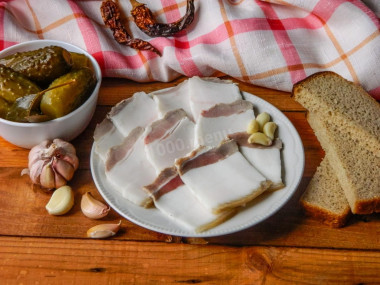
{"x":287,"y":248}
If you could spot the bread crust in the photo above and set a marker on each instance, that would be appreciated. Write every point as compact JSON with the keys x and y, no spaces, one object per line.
{"x":364,"y":207}
{"x":324,"y":216}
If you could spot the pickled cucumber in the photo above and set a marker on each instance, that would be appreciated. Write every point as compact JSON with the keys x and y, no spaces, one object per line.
{"x":13,"y":85}
{"x":42,"y":65}
{"x":61,"y":101}
{"x":4,"y":108}
{"x":80,"y":61}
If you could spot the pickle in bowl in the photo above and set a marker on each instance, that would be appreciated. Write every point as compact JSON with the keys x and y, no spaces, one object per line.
{"x":41,"y":66}
{"x":4,"y":108}
{"x":61,"y":101}
{"x":80,"y":61}
{"x":14,"y":85}
{"x":23,"y":123}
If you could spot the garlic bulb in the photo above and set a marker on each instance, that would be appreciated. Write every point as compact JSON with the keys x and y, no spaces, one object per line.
{"x":93,"y":208}
{"x":103,"y":230}
{"x":52,"y":163}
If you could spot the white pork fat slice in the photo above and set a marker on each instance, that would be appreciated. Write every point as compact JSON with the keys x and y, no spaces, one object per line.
{"x":266,"y":159}
{"x":169,"y":138}
{"x":221,"y":178}
{"x":207,"y":92}
{"x":138,"y":111}
{"x":106,"y":136}
{"x":128,"y":169}
{"x":174,"y":199}
{"x":173,"y":98}
{"x":216,"y":123}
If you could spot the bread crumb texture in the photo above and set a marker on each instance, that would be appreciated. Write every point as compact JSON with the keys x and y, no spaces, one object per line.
{"x":357,"y":168}
{"x":343,"y":103}
{"x":324,"y":198}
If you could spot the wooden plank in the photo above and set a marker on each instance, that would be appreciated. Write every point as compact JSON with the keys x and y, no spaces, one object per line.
{"x":290,"y":227}
{"x":287,"y":248}
{"x":22,"y":213}
{"x":57,"y":261}
{"x":115,"y":89}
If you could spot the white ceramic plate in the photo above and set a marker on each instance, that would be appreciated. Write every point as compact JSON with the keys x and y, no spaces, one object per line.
{"x":267,"y":204}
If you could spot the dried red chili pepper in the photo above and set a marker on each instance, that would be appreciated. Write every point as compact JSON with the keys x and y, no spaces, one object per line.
{"x":144,"y":19}
{"x":111,"y":17}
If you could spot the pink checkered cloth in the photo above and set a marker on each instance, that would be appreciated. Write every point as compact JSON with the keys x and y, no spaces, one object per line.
{"x":272,"y":43}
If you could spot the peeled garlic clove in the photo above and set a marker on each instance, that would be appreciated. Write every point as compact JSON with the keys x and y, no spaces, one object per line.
{"x":269,"y":129}
{"x":61,"y":201}
{"x":259,"y":138}
{"x":103,"y":230}
{"x":47,"y":177}
{"x":93,"y":208}
{"x":253,"y":127}
{"x":262,"y":119}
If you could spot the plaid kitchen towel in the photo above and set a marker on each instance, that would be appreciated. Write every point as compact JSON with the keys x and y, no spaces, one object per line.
{"x":271,"y":43}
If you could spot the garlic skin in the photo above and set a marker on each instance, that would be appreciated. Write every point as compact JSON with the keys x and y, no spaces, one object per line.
{"x":61,"y":201}
{"x":103,"y":230}
{"x":52,"y":163}
{"x":93,"y":208}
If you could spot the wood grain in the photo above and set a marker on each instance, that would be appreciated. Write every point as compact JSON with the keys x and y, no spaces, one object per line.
{"x":57,"y":261}
{"x":22,"y":213}
{"x":114,"y":89}
{"x":287,"y":248}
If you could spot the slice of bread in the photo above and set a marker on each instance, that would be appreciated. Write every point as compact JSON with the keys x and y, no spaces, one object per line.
{"x":324,"y":198}
{"x":357,"y":169}
{"x":344,"y":104}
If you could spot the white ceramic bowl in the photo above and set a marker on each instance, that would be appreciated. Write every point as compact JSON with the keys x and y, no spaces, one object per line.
{"x":67,"y":127}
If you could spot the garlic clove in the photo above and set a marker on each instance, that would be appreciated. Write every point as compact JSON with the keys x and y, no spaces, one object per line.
{"x":269,"y":129}
{"x":103,"y":230}
{"x":59,"y":180}
{"x":47,"y":177}
{"x":72,"y":159}
{"x":64,"y":168}
{"x":93,"y":208}
{"x":61,"y":201}
{"x":262,"y":119}
{"x":253,"y":127}
{"x":259,"y":138}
